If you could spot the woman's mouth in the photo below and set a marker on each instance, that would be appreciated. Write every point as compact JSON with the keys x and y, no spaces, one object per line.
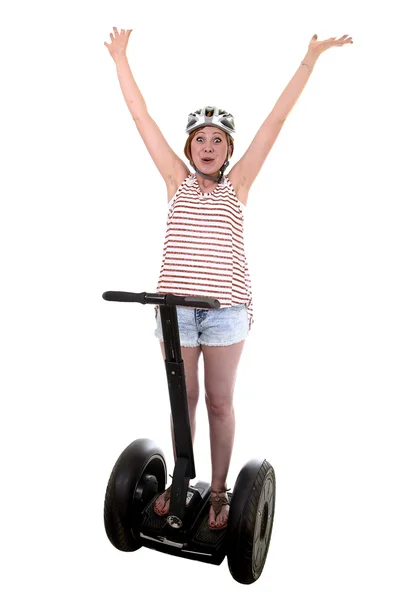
{"x":208,"y":161}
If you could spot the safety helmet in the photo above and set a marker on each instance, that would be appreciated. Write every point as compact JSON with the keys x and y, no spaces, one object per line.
{"x":211,"y":116}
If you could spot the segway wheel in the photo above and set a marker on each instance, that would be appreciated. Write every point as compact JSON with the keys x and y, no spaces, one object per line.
{"x":251,"y":521}
{"x":139,"y":473}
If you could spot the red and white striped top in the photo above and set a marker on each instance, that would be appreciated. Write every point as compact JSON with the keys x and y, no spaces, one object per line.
{"x":204,"y":252}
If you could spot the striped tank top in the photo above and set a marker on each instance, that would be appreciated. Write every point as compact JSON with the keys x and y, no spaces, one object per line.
{"x":203,"y":253}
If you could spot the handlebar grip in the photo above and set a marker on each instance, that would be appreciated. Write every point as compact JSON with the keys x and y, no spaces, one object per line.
{"x":195,"y":301}
{"x":125,"y":297}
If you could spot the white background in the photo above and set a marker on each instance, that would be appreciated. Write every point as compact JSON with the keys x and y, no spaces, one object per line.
{"x":83,"y":210}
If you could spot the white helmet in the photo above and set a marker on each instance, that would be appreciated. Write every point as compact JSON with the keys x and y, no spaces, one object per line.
{"x":213,"y":117}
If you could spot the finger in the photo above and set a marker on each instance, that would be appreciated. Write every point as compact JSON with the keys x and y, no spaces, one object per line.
{"x":129,"y":31}
{"x":112,"y":37}
{"x":115,"y":31}
{"x":123,"y":32}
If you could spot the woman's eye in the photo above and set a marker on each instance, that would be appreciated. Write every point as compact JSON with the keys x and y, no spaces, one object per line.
{"x":200,"y":139}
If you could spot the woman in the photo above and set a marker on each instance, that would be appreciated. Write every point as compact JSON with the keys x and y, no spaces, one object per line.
{"x":204,"y":249}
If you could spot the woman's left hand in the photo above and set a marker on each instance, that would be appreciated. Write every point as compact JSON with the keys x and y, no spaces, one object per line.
{"x":319,"y":46}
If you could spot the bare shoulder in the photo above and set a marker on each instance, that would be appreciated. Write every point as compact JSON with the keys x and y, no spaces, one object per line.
{"x":176,"y":178}
{"x":238,"y":181}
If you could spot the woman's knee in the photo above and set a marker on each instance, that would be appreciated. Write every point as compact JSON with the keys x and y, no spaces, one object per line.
{"x":192,"y":399}
{"x":219,"y":406}
{"x":191,"y":359}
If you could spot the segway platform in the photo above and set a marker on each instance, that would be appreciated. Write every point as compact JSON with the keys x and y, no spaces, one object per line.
{"x":194,"y":540}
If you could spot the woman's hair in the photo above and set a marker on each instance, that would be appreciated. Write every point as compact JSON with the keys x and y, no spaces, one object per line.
{"x":187,"y":147}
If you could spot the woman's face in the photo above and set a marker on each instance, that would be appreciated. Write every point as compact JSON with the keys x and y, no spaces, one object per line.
{"x":209,"y":143}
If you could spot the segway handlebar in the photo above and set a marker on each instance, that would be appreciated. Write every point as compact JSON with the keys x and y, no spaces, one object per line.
{"x":167,"y":299}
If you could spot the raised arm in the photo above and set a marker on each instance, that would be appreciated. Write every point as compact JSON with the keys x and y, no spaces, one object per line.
{"x":168,"y":163}
{"x":247,"y":168}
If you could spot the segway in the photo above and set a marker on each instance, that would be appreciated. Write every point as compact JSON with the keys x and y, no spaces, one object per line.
{"x":139,"y":477}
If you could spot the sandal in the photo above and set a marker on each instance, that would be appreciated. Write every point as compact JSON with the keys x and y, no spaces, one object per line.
{"x":167,"y":497}
{"x":217,"y":503}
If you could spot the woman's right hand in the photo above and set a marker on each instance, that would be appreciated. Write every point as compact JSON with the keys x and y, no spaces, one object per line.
{"x":117,"y":47}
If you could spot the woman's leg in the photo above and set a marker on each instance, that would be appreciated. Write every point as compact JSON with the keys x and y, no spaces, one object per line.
{"x":190,"y":357}
{"x":220,"y":369}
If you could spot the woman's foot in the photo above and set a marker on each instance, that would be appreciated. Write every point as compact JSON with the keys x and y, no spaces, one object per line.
{"x":219,"y":511}
{"x":161,"y":506}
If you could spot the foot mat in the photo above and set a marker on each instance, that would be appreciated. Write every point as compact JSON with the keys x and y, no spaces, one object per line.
{"x":205,"y":535}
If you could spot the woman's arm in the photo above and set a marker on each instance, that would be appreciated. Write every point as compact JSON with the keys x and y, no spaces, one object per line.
{"x":171,"y":167}
{"x":248,"y":167}
{"x":294,"y":89}
{"x":130,"y":90}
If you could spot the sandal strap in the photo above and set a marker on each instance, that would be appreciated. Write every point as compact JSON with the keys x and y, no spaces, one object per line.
{"x":217,"y":501}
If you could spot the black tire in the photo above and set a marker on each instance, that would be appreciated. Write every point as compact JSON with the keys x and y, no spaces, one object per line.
{"x":251,"y":521}
{"x":139,"y":473}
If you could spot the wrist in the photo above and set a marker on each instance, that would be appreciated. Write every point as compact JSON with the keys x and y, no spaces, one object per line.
{"x":310,"y":58}
{"x":121,"y":60}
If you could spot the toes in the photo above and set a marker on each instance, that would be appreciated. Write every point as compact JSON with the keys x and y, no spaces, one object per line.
{"x":161,"y":505}
{"x":212,"y":520}
{"x":220,"y":520}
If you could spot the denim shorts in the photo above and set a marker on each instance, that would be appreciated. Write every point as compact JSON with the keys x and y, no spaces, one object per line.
{"x":212,"y":327}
